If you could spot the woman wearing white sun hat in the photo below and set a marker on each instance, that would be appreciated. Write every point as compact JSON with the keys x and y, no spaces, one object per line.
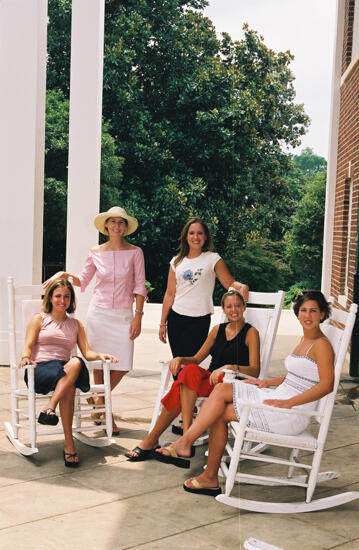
{"x":120,"y":279}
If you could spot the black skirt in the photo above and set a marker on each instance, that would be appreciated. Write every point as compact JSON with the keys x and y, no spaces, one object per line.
{"x":48,"y":373}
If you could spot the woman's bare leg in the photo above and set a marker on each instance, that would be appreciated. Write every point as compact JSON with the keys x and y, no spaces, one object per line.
{"x":211,"y":411}
{"x":67,"y":403}
{"x":217,"y":441}
{"x":72,"y":369}
{"x":188,"y":400}
{"x":115,"y":378}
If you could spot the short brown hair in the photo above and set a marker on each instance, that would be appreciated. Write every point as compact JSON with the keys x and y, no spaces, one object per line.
{"x":316,"y":296}
{"x":46,"y":302}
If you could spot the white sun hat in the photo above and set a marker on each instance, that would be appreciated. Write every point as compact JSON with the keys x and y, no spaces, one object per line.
{"x":115,"y":212}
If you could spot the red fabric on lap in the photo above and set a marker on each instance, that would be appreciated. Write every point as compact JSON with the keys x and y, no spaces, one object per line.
{"x":195,"y":378}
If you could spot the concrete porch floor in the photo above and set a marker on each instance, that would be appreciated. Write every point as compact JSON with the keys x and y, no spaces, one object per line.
{"x":110,"y":503}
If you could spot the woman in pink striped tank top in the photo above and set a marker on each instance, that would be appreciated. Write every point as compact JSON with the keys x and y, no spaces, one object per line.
{"x":50,"y":338}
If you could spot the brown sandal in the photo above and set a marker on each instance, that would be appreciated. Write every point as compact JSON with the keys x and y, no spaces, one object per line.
{"x":96,"y":416}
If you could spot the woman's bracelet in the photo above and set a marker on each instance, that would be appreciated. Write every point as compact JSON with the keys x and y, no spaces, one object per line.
{"x":140,"y":311}
{"x":25,"y":357}
{"x":163,"y":324}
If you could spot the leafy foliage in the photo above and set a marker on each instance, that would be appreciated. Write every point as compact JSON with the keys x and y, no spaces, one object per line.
{"x":294,"y":290}
{"x":195,"y":125}
{"x":309,"y":163}
{"x":257,"y":265}
{"x":304,"y":241}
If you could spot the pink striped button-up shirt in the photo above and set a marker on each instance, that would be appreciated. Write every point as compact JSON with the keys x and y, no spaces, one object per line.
{"x":120,"y":274}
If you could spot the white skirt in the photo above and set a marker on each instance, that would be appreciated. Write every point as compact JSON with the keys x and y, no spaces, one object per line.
{"x":108,"y":331}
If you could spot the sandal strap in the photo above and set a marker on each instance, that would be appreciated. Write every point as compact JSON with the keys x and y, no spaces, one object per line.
{"x":171,"y":451}
{"x":195,"y":483}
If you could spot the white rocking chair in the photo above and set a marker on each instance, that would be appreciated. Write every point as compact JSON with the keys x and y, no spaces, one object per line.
{"x":23,"y":416}
{"x":265,"y":319}
{"x":305,"y":441}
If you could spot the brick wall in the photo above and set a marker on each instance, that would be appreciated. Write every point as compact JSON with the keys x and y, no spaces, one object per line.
{"x":348,"y":33}
{"x":348,"y":152}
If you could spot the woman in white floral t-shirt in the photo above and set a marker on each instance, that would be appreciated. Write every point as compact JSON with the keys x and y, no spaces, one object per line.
{"x":188,"y":304}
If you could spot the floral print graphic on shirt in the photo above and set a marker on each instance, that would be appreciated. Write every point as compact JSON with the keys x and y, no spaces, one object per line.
{"x":188,"y":275}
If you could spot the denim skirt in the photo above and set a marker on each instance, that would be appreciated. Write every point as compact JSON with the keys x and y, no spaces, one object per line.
{"x":48,"y":373}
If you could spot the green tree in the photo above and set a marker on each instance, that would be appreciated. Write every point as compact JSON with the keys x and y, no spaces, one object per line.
{"x":199,"y":121}
{"x":302,"y":169}
{"x":257,"y":265}
{"x":304,"y":166}
{"x":304,"y":241}
{"x":310,"y":163}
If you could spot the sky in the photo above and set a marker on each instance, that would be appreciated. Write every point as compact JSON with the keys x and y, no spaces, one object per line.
{"x":307,"y":29}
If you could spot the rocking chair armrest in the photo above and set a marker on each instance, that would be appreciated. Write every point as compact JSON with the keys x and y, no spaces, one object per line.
{"x":164,"y":363}
{"x":294,"y":410}
{"x":24,"y":368}
{"x":98,"y":364}
{"x":231,"y":375}
{"x":106,"y":366}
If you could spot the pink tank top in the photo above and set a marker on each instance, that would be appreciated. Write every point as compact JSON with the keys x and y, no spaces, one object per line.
{"x":56,"y":340}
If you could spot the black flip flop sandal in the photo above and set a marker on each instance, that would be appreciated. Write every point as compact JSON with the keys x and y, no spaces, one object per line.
{"x":69,"y":463}
{"x":49,"y":419}
{"x":142,"y":454}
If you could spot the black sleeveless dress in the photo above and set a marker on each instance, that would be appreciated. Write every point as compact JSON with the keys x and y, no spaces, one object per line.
{"x":229,"y":352}
{"x":196,"y":378}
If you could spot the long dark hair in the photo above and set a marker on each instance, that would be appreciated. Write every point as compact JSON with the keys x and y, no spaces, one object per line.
{"x":184,"y":246}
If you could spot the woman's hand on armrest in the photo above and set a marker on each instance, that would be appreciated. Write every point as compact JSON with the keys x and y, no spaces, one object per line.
{"x":107,"y":357}
{"x":26,"y":361}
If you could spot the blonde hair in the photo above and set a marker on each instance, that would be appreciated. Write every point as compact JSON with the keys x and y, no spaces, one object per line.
{"x":232,"y":293}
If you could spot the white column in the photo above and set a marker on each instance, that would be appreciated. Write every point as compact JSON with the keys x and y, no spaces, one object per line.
{"x":333,"y":153}
{"x":83,"y":195}
{"x":23,"y":28}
